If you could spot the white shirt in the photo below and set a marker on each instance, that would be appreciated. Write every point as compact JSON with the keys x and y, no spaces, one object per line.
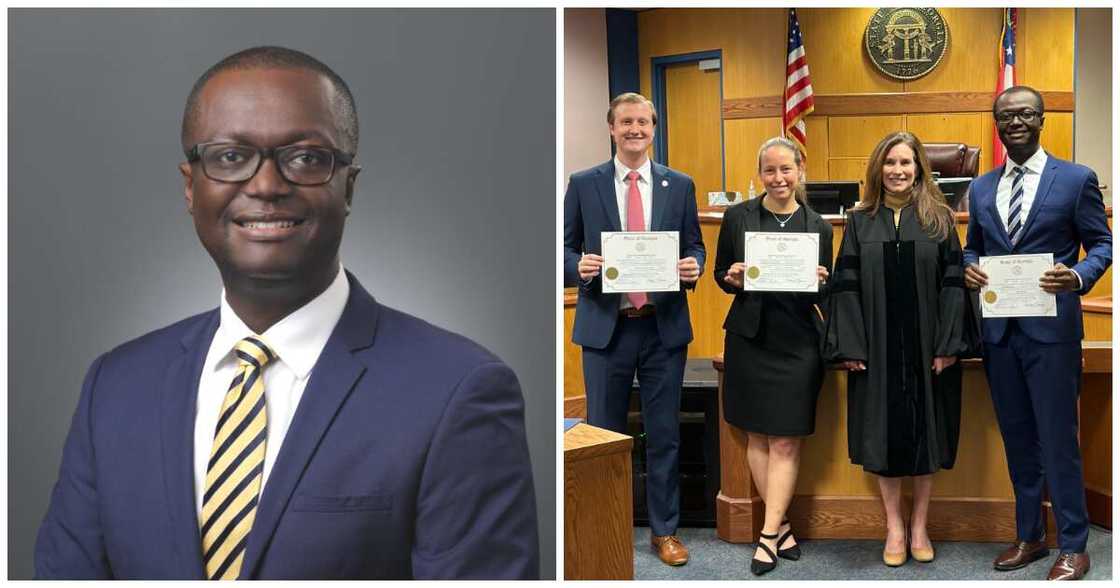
{"x":1033,"y":166}
{"x":622,"y":194}
{"x":297,"y":341}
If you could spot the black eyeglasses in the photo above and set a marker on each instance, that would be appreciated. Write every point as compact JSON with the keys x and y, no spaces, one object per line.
{"x":306,"y":165}
{"x":1026,"y":115}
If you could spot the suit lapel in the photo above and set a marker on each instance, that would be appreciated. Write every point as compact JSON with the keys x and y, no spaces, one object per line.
{"x":604,"y":183}
{"x":178,"y":398}
{"x":332,"y":380}
{"x":659,"y":194}
{"x":754,"y":215}
{"x":993,"y":211}
{"x":1044,"y":184}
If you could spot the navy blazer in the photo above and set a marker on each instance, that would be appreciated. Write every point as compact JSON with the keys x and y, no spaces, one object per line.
{"x":591,"y":207}
{"x":406,"y":458}
{"x":1067,"y":214}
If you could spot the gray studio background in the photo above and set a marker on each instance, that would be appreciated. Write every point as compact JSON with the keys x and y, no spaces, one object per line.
{"x":453,"y":217}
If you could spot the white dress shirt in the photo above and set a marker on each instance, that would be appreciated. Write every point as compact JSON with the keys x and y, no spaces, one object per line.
{"x":622,"y":195}
{"x":297,"y":340}
{"x":1033,"y":166}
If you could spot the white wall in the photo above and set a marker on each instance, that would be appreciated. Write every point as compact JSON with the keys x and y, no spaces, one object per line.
{"x":1092,"y":86}
{"x":586,"y":89}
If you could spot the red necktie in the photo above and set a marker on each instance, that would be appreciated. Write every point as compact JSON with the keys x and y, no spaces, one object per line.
{"x":635,"y":221}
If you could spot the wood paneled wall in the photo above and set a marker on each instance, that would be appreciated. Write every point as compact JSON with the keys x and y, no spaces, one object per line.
{"x":753,"y":46}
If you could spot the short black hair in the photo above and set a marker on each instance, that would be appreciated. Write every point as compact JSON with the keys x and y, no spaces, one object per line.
{"x":268,"y":57}
{"x":1028,"y":89}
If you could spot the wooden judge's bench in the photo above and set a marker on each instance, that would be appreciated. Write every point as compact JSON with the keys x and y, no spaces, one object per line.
{"x":835,"y":499}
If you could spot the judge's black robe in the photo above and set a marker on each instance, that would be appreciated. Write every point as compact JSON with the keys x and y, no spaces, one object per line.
{"x":897,"y":301}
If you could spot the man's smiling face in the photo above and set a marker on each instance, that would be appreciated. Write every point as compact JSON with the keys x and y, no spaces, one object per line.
{"x":267,"y":227}
{"x":1017,"y":134}
{"x":632,"y":129}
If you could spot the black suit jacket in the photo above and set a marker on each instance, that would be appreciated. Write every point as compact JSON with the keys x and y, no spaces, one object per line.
{"x":743,"y":316}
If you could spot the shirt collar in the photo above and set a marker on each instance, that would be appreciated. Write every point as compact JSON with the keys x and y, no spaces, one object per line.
{"x":1034,"y":164}
{"x":621,"y":171}
{"x":298,"y":338}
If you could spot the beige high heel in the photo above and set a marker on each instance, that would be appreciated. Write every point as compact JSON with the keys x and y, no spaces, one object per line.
{"x":922,"y":554}
{"x":895,"y":559}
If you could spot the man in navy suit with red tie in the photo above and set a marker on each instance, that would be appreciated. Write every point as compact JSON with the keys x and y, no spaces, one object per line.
{"x":642,"y":333}
{"x":1037,"y":203}
{"x":301,"y":430}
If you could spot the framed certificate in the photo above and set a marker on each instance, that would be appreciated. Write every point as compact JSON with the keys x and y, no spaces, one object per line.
{"x":781,"y":262}
{"x":1013,"y":289}
{"x":640,"y":261}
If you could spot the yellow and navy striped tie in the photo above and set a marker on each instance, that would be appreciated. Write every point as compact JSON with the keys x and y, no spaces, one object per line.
{"x":233,"y":475}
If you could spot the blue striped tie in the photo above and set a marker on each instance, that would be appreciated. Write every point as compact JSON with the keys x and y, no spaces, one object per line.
{"x":234,"y":473}
{"x":1015,"y":215}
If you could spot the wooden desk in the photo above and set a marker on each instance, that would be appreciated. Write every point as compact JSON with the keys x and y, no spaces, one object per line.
{"x":598,"y":512}
{"x":972,"y":502}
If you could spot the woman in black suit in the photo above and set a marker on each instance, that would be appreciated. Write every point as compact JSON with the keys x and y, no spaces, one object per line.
{"x":773,"y":364}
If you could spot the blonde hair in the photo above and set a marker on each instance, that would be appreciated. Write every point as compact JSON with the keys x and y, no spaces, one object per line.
{"x":934,"y":214}
{"x":799,"y":191}
{"x":630,"y":98}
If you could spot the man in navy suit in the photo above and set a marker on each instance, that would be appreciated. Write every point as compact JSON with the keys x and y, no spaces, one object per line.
{"x":1037,"y":203}
{"x":645,"y":333}
{"x":380,"y":447}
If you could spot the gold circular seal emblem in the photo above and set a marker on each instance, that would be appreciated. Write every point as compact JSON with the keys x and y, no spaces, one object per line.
{"x":753,"y":272}
{"x":612,"y":273}
{"x":990,"y":297}
{"x":906,"y":43}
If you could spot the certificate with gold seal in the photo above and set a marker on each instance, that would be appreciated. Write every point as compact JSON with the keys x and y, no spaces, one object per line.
{"x":640,"y":261}
{"x":1013,"y":289}
{"x":781,"y":262}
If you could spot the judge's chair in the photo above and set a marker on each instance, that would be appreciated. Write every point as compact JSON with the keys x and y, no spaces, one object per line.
{"x":954,"y":160}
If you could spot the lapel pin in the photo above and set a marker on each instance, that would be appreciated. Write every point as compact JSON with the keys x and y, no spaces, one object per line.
{"x":664,"y":183}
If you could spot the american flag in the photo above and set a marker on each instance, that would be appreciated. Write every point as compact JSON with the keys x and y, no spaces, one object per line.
{"x":1006,"y":74}
{"x":798,"y":96}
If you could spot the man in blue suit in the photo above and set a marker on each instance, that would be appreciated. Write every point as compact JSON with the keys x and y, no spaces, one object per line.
{"x":644,"y":333}
{"x":1037,"y":203}
{"x":301,"y":430}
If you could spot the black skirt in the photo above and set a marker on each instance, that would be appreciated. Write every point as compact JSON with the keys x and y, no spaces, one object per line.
{"x":771,"y":382}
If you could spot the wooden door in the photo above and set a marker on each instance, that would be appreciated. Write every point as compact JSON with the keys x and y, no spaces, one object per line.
{"x":693,"y":126}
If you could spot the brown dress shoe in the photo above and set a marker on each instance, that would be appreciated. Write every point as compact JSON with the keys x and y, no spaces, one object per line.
{"x":1070,"y":566}
{"x":670,"y":549}
{"x":1020,"y":554}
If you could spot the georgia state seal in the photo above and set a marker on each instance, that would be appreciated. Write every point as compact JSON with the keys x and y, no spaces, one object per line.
{"x":906,"y":43}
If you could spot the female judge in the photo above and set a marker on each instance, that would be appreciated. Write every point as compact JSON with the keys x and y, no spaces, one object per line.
{"x":896,"y":322}
{"x":771,"y":352}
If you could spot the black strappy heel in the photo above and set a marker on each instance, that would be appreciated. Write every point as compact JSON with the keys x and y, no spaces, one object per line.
{"x":793,"y":553}
{"x":759,"y":567}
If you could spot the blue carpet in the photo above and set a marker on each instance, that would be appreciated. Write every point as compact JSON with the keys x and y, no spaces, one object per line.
{"x":830,"y":559}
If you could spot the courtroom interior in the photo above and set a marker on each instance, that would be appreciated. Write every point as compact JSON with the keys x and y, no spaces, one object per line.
{"x":717,"y":79}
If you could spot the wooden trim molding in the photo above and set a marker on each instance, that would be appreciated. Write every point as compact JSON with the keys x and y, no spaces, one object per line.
{"x":584,"y":442}
{"x":1097,"y":304}
{"x":575,"y":407}
{"x":739,"y":520}
{"x":883,"y":103}
{"x":1096,"y":358}
{"x":1099,"y":504}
